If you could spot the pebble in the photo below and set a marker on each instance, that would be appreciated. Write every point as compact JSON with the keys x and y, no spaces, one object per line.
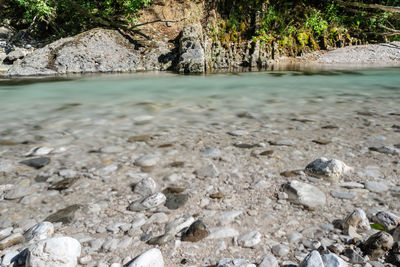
{"x":376,"y":187}
{"x":378,"y":244}
{"x":8,"y":258}
{"x":331,"y":260}
{"x":388,"y":150}
{"x":40,"y":231}
{"x":196,"y":232}
{"x":250,"y":239}
{"x":294,"y":237}
{"x":222,"y":232}
{"x":57,"y":251}
{"x":282,"y":142}
{"x":150,"y":258}
{"x":269,"y":261}
{"x":238,"y":133}
{"x":280,"y":250}
{"x":209,"y":170}
{"x":149,"y":202}
{"x":343,"y":194}
{"x":18,"y":192}
{"x":230,"y":216}
{"x":11,"y":240}
{"x":39,"y":151}
{"x":36,"y":163}
{"x":145,"y":187}
{"x":5,"y":232}
{"x":305,"y":194}
{"x":388,"y":220}
{"x":313,"y":259}
{"x":351,"y":185}
{"x":331,"y":170}
{"x":147,"y":162}
{"x":211,"y":152}
{"x":64,"y":216}
{"x":176,"y":201}
{"x":143,"y":119}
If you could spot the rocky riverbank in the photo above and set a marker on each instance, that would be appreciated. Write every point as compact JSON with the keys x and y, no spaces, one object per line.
{"x":202,"y":185}
{"x":101,"y":50}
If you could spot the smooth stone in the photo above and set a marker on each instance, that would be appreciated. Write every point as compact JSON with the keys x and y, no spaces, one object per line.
{"x":175,"y":201}
{"x":351,"y":185}
{"x":250,"y":239}
{"x":39,"y":151}
{"x":376,"y":187}
{"x":68,"y":173}
{"x":313,"y":259}
{"x":149,"y":202}
{"x":331,"y":260}
{"x":209,"y":170}
{"x":331,"y":170}
{"x":294,"y":237}
{"x":229,"y":216}
{"x":40,"y":231}
{"x":18,"y":192}
{"x":149,"y":160}
{"x":150,"y":258}
{"x":11,"y":240}
{"x":36,"y":163}
{"x":57,"y":251}
{"x":269,"y":261}
{"x":9,"y":258}
{"x":5,"y":232}
{"x":280,"y":250}
{"x":305,"y":194}
{"x":211,"y":152}
{"x":64,"y":216}
{"x":196,"y":232}
{"x":143,"y":119}
{"x":282,"y":142}
{"x":238,"y":133}
{"x":145,"y":187}
{"x":388,"y":220}
{"x":343,"y":194}
{"x":388,"y":150}
{"x":222,"y":232}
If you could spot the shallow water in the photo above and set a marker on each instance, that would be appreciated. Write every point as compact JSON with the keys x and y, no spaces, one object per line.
{"x":186,"y":100}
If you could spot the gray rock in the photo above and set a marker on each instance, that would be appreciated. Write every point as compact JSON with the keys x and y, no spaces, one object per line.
{"x":9,"y":258}
{"x":389,"y":150}
{"x":238,"y":133}
{"x":280,"y":250}
{"x":229,"y":216}
{"x":11,"y":240}
{"x":343,"y":194}
{"x":65,"y":215}
{"x":331,"y":260}
{"x":305,"y":194}
{"x":40,"y":231}
{"x":351,"y":185}
{"x":146,"y":186}
{"x":18,"y":192}
{"x":387,"y":220}
{"x":14,"y":55}
{"x":58,"y":251}
{"x":5,"y":232}
{"x":149,"y":160}
{"x":149,"y":202}
{"x":150,"y":258}
{"x":250,"y":239}
{"x":222,"y":232}
{"x":313,"y":259}
{"x":269,"y":261}
{"x":36,"y":163}
{"x":211,"y":152}
{"x":331,"y":170}
{"x":209,"y":170}
{"x":376,"y":187}
{"x":294,"y":237}
{"x":192,"y":59}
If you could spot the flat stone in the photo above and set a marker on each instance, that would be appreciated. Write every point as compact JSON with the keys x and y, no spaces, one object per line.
{"x":36,"y":163}
{"x":64,"y":216}
{"x":175,"y":201}
{"x":313,"y":259}
{"x":149,"y":202}
{"x":150,"y":258}
{"x":376,"y":187}
{"x":351,"y":185}
{"x":280,"y":250}
{"x":39,"y":151}
{"x":18,"y":192}
{"x":353,"y":256}
{"x":250,"y":239}
{"x":40,"y":231}
{"x":149,"y":160}
{"x":222,"y":232}
{"x":5,"y":232}
{"x":143,"y":119}
{"x":139,"y":138}
{"x":282,"y":142}
{"x":388,"y":220}
{"x":229,"y":216}
{"x":11,"y":240}
{"x":238,"y":133}
{"x":388,"y":150}
{"x":331,"y":170}
{"x":196,"y":232}
{"x":211,"y":152}
{"x":209,"y":170}
{"x":57,"y":251}
{"x":331,"y":260}
{"x":305,"y":194}
{"x":343,"y":194}
{"x":269,"y":261}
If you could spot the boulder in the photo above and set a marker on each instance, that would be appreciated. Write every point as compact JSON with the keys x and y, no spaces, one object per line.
{"x":192,"y":59}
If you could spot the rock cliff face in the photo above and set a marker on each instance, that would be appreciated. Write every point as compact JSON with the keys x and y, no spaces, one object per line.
{"x":191,"y":58}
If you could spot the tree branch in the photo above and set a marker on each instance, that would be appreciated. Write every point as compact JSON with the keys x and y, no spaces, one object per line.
{"x":392,"y":9}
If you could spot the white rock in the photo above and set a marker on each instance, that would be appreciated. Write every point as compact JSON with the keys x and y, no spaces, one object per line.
{"x":40,"y":231}
{"x":229,"y":216}
{"x":222,"y":232}
{"x":269,"y":261}
{"x":305,"y":194}
{"x":376,"y":187}
{"x":294,"y":237}
{"x":351,"y":185}
{"x":57,"y":251}
{"x":5,"y":232}
{"x":143,"y":119}
{"x":39,"y":151}
{"x":331,"y":170}
{"x":149,"y":160}
{"x":150,"y":258}
{"x":8,"y":257}
{"x":313,"y":259}
{"x":331,"y":260}
{"x":149,"y":202}
{"x":146,"y":186}
{"x":209,"y":170}
{"x":280,"y":250}
{"x":239,"y":132}
{"x":249,"y":239}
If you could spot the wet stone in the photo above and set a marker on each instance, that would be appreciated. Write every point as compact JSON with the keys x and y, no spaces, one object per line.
{"x":64,"y":216}
{"x":36,"y":163}
{"x":196,"y":232}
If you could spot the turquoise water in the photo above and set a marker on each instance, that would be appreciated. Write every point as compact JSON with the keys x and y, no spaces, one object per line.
{"x":172,"y":98}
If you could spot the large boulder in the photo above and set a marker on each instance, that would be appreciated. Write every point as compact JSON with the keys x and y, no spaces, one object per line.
{"x":191,"y":50}
{"x":97,"y":50}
